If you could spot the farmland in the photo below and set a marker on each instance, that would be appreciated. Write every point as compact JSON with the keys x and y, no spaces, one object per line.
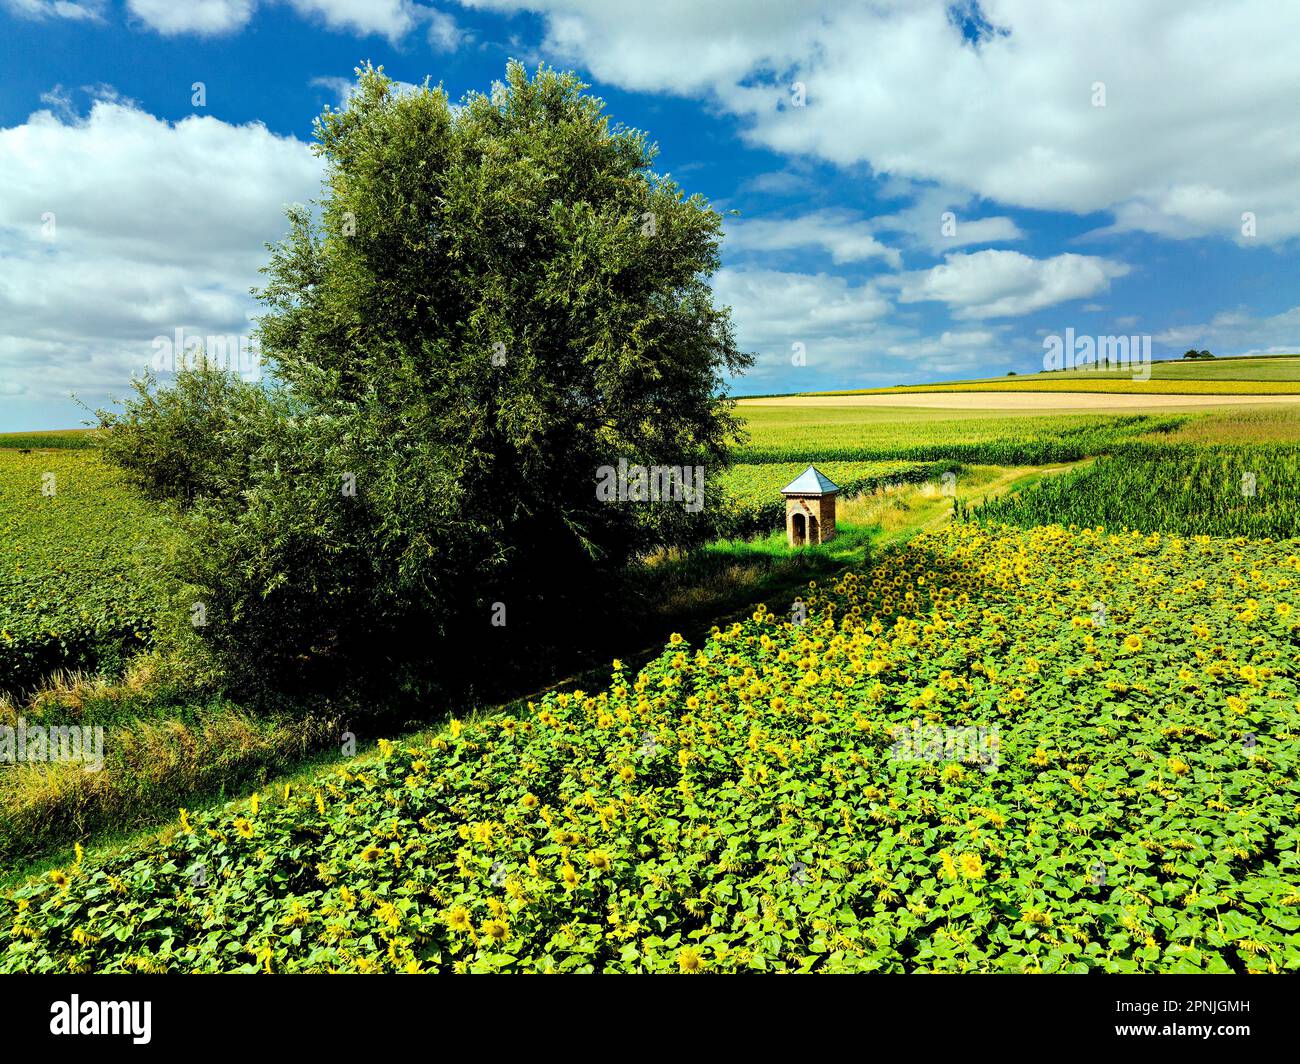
{"x":1207,"y":491}
{"x":757,"y":802}
{"x":1259,"y":375}
{"x":780,"y":793}
{"x":81,"y":552}
{"x":849,"y":433}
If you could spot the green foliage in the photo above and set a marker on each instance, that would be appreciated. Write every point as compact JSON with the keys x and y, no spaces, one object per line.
{"x":1214,"y":491}
{"x":81,"y":585}
{"x":494,"y":301}
{"x":187,"y":441}
{"x":749,"y":805}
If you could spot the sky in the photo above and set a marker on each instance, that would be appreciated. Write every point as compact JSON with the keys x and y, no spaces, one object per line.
{"x":923,"y":190}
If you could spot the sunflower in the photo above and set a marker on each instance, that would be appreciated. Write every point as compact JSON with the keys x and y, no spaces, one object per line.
{"x":458,"y":919}
{"x":243,"y":828}
{"x":689,"y":961}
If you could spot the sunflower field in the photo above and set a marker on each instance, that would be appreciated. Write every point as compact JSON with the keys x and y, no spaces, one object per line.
{"x":757,"y":803}
{"x":78,"y":586}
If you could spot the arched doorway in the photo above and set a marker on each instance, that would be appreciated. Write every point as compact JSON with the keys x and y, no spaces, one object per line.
{"x":797,"y":524}
{"x":813,"y":531}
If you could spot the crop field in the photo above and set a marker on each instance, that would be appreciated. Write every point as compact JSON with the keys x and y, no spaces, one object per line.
{"x":1278,"y":368}
{"x":59,"y":438}
{"x":1205,"y":491}
{"x":957,"y":764}
{"x":1095,"y":382}
{"x":1056,"y":734}
{"x":846,"y":434}
{"x":78,"y":549}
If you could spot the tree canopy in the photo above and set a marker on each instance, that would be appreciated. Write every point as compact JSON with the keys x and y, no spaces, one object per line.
{"x":492,"y":300}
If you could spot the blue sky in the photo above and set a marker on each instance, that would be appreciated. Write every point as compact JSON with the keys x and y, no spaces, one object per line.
{"x":926,"y":189}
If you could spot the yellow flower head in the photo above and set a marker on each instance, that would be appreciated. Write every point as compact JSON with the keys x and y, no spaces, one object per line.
{"x":496,"y":930}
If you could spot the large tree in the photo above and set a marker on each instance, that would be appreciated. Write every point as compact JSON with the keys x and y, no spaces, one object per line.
{"x":493,"y":300}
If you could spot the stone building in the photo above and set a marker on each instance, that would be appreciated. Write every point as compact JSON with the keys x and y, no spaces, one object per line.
{"x":809,"y":508}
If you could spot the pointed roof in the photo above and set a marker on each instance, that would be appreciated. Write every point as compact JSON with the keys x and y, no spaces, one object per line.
{"x":810,"y":482}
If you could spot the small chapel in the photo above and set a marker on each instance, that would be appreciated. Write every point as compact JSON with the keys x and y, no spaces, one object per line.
{"x":810,"y":508}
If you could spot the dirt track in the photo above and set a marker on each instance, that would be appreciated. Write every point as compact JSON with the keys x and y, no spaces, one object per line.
{"x":1025,"y":400}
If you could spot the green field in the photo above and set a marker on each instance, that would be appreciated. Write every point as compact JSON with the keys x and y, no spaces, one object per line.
{"x":1275,"y":368}
{"x":859,"y":433}
{"x":1261,"y":375}
{"x":1205,"y":491}
{"x":81,"y":553}
{"x":740,"y":803}
{"x":58,"y":438}
{"x":1114,"y":798}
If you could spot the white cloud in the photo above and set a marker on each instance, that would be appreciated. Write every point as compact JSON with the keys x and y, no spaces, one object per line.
{"x":200,"y":17}
{"x":845,"y":331}
{"x":991,"y":283}
{"x":387,"y":18}
{"x":83,"y":11}
{"x":1238,"y":332}
{"x":940,"y":219}
{"x":444,"y":34}
{"x":1183,"y":146}
{"x":842,"y":234}
{"x":772,"y":307}
{"x":121,"y":227}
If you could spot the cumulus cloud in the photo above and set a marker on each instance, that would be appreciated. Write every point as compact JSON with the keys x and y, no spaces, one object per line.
{"x":200,"y":17}
{"x":810,"y":330}
{"x":773,"y":307}
{"x":1177,"y":149}
{"x":393,"y":19}
{"x":993,"y":283}
{"x":842,"y":234}
{"x":119,"y":227}
{"x":1238,"y":332}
